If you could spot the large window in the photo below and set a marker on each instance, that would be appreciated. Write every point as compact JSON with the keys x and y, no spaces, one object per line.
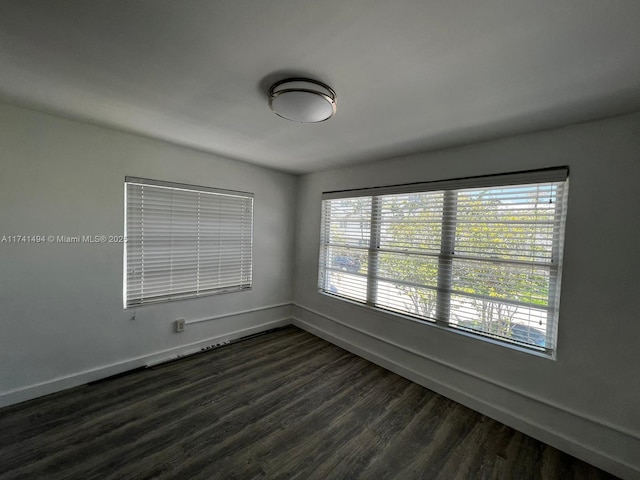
{"x":483,"y":254}
{"x":185,"y":241}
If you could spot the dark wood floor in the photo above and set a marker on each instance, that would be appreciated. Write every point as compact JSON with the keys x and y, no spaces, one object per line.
{"x":282,"y":405}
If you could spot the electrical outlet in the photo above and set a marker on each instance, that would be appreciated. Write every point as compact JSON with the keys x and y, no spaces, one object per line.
{"x":178,"y":325}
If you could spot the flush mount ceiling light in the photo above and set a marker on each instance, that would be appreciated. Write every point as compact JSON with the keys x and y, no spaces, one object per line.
{"x":302,"y":100}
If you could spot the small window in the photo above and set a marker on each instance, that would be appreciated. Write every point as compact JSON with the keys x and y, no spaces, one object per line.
{"x":481,"y":255}
{"x":185,"y":241}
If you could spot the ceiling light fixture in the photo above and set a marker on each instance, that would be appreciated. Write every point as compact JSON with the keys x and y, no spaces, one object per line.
{"x":302,"y":100}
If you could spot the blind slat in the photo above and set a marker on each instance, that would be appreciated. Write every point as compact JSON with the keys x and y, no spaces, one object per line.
{"x":484,"y":257}
{"x":185,"y":241}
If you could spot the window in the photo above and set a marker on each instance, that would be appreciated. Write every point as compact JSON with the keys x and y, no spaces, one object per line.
{"x":185,"y":241}
{"x":482,"y":254}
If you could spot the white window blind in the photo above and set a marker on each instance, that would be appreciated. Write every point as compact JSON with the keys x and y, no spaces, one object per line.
{"x":483,"y":255}
{"x":185,"y":241}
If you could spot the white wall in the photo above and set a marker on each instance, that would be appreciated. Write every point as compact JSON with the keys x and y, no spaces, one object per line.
{"x":587,"y":402}
{"x":61,"y":304}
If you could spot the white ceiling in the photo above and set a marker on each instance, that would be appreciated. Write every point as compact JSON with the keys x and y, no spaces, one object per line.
{"x":410,"y":75}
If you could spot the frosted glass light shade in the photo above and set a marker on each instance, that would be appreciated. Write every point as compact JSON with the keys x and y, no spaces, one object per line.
{"x":302,"y":100}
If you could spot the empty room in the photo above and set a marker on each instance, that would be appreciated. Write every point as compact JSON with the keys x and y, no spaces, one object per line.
{"x":352,"y":239}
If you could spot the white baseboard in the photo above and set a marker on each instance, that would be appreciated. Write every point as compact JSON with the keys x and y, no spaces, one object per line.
{"x":81,"y":378}
{"x":567,"y":431}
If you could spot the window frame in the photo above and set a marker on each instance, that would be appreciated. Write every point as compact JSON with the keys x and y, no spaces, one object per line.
{"x":195,"y":221}
{"x":442,"y":318}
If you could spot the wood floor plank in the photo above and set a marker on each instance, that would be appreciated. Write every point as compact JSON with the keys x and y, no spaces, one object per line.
{"x":312,"y":439}
{"x":236,"y":416}
{"x":174,"y":413}
{"x":290,"y":411}
{"x":354,"y":458}
{"x":285,"y":405}
{"x":107,"y":395}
